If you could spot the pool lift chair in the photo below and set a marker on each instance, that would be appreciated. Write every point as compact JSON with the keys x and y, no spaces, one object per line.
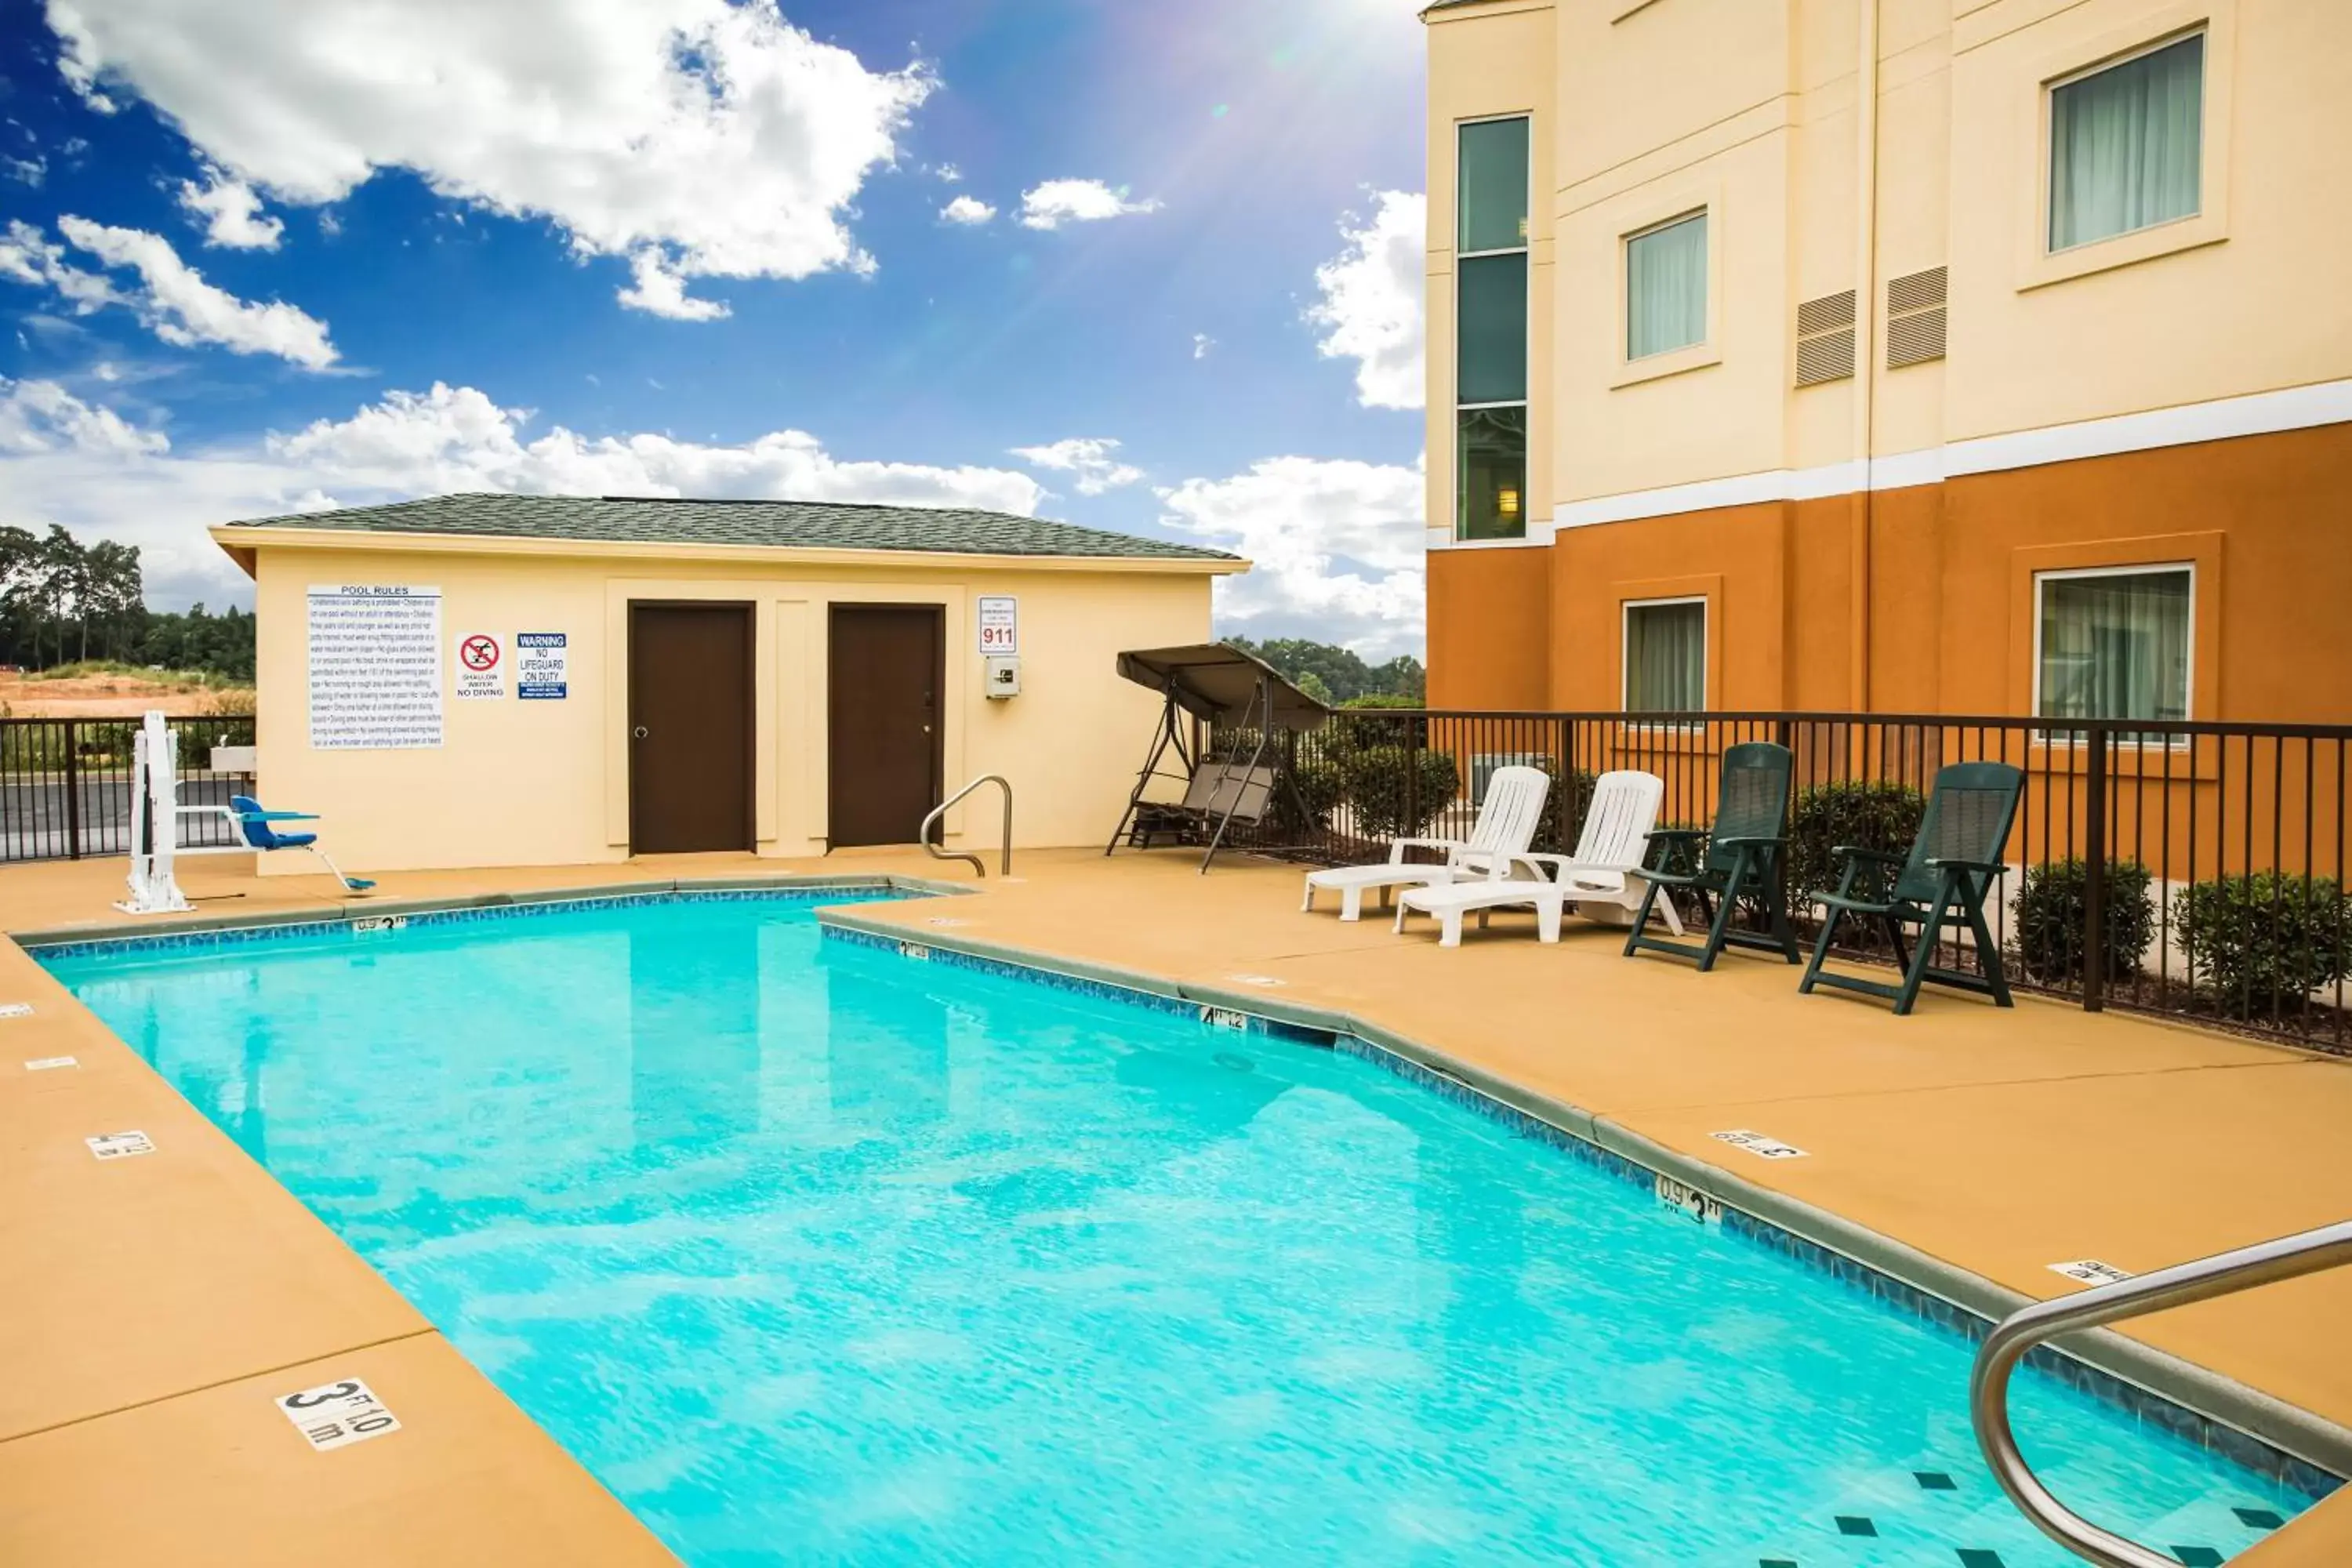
{"x":155,"y":814}
{"x":1223,"y":688}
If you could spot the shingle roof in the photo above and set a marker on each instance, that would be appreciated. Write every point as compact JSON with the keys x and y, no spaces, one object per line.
{"x":781,"y":524}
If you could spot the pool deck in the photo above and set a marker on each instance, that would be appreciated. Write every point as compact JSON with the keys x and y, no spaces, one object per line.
{"x":155,"y":1307}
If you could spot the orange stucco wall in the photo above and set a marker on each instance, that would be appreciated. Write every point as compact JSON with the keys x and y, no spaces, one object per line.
{"x":1491,"y":611}
{"x":2266,"y":520}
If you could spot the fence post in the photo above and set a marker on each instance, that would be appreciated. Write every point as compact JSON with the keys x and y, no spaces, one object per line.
{"x":2094,"y":873}
{"x":73,"y":793}
{"x":1415,"y":733}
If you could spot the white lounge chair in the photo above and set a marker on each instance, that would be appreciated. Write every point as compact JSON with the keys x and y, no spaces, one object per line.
{"x":1605,"y":869}
{"x":1507,"y":820}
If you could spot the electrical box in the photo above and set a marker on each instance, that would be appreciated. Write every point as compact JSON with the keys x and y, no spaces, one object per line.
{"x":1003,"y":675}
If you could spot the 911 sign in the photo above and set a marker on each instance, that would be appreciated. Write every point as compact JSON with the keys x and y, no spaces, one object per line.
{"x":1000,"y":625}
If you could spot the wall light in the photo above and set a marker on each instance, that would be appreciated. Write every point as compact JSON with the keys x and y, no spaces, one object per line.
{"x":1507,"y":502}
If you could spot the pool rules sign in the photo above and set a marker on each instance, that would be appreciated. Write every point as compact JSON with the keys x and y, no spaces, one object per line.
{"x":375,"y":666}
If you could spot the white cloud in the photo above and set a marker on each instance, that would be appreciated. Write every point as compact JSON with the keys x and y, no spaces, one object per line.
{"x":1201,"y":344}
{"x":660,"y":289}
{"x":712,"y":129}
{"x":172,"y":298}
{"x":1370,"y":307}
{"x":1088,"y":458}
{"x":43,"y":417}
{"x":27,"y":256}
{"x":64,"y":460}
{"x":948,"y":172}
{"x":1057,"y":201}
{"x":26,"y":171}
{"x":1338,"y":547}
{"x":231,"y":211}
{"x":967,"y":210}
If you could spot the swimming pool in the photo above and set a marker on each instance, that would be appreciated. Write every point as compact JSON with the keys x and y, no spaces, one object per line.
{"x":815,"y":1253}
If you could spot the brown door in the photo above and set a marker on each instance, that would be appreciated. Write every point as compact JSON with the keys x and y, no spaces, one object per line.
{"x":884,"y":721}
{"x":689,"y":728}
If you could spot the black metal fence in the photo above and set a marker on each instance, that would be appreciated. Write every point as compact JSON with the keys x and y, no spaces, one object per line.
{"x":2203,"y":863}
{"x":64,"y":784}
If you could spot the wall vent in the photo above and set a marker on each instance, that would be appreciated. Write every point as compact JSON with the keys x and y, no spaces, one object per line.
{"x":1825,"y":338}
{"x":1916,"y":318}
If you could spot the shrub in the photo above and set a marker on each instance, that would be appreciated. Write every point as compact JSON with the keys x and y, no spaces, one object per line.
{"x":1564,"y":808}
{"x":1875,"y":815}
{"x":2049,"y":921}
{"x":1361,"y":723}
{"x":1376,"y":780}
{"x":2263,"y":942}
{"x":1318,"y":788}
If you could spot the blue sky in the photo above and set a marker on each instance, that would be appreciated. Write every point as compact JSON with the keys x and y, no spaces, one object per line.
{"x":268,"y":255}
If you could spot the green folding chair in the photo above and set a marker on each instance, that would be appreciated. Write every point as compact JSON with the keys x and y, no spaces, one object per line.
{"x":1743,"y":859}
{"x":1953,"y":864}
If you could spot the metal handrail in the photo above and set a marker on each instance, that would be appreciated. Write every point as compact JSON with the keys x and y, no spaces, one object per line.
{"x":924,"y":833}
{"x":2223,"y":1274}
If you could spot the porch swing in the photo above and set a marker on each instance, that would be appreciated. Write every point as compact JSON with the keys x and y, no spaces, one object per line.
{"x":1221,"y":687}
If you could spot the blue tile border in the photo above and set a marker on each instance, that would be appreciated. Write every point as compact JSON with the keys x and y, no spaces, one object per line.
{"x":2149,"y":1410}
{"x":1053,"y":979}
{"x":347,"y":925}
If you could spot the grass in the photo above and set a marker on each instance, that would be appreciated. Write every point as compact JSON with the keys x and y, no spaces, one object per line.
{"x":115,"y":668}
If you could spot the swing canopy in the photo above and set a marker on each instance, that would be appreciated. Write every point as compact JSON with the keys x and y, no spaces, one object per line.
{"x":1222,"y":685}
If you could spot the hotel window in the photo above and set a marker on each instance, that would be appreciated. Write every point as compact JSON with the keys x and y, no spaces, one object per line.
{"x":1665,"y":657}
{"x":1666,"y":286}
{"x":2126,"y":145}
{"x":1490,"y":322}
{"x":2114,"y":644}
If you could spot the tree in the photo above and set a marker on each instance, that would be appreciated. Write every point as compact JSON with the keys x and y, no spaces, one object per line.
{"x":60,"y":598}
{"x":1340,"y":674}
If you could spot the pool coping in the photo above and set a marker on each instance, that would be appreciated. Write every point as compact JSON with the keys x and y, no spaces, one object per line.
{"x":2217,"y":1408}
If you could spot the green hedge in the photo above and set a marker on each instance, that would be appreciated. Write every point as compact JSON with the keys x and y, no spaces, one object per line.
{"x":1376,"y":781}
{"x":1875,"y":815}
{"x":2049,"y":921}
{"x":2262,"y":943}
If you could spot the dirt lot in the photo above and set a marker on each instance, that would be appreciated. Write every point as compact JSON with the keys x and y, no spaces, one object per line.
{"x":113,"y":697}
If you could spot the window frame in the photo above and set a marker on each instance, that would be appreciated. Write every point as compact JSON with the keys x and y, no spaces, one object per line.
{"x":2063,"y":737}
{"x":1625,"y":608}
{"x":2056,"y":85}
{"x":1526,"y":314}
{"x":1644,"y":212}
{"x":2084,"y":49}
{"x":1626,"y":242}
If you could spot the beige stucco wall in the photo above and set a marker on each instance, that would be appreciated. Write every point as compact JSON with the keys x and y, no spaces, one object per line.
{"x":1750,"y":107}
{"x":546,"y":781}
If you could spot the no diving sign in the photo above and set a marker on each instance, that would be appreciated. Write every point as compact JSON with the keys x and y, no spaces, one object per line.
{"x":481,"y":665}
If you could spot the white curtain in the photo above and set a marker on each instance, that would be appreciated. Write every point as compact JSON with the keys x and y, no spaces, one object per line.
{"x":2127,"y":146}
{"x":1666,"y":659}
{"x":1666,"y":288}
{"x":2115,"y":647}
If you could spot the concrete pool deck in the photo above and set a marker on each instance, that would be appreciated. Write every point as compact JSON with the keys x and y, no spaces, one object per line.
{"x":157,"y":1306}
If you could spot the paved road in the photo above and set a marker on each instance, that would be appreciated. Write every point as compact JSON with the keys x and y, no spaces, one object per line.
{"x":32,"y":817}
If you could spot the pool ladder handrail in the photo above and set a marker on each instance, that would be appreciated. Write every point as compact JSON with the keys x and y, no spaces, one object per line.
{"x":2223,"y":1274}
{"x":924,"y":833}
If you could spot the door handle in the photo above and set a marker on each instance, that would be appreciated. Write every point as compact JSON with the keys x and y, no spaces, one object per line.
{"x":639,"y":732}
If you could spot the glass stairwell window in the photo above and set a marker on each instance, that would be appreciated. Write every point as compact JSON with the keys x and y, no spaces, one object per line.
{"x":2126,"y":145}
{"x":1665,"y":657}
{"x":1666,"y":288}
{"x":2114,"y":645}
{"x":1490,"y":322}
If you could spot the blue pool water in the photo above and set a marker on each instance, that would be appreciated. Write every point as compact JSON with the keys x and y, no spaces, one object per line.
{"x":815,"y":1253}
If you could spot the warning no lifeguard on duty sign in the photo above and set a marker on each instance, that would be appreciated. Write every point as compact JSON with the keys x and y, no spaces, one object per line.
{"x":541,"y":663}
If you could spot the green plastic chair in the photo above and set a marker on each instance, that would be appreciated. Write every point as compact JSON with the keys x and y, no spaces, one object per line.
{"x":1953,"y":864}
{"x":1743,"y":857}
